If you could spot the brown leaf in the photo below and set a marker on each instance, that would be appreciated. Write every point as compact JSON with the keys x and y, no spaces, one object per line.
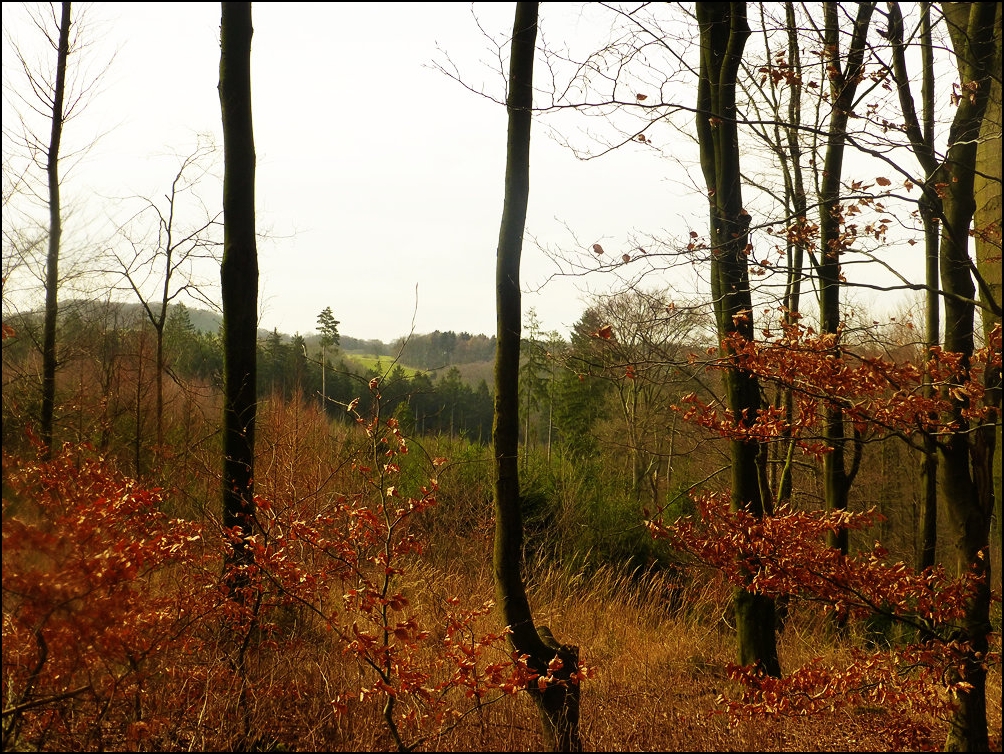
{"x":597,"y":249}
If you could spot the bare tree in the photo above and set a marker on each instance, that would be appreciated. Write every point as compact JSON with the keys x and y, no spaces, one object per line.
{"x":238,"y":273}
{"x":163,"y":248}
{"x":966,"y":461}
{"x":845,"y":73}
{"x":558,"y":698}
{"x":52,"y":95}
{"x":724,"y":31}
{"x":642,"y":349}
{"x":920,"y":131}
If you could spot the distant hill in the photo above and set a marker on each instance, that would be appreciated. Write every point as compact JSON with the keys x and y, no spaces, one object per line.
{"x":434,"y":352}
{"x":370,"y":347}
{"x":204,"y":321}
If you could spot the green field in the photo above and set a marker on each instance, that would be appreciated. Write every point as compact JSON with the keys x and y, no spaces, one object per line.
{"x":381,"y":363}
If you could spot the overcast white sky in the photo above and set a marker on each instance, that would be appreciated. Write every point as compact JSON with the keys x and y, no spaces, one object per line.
{"x":380,"y":179}
{"x":377,"y":174}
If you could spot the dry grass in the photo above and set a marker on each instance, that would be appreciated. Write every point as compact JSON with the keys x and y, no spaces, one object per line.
{"x":660,"y":650}
{"x":658,"y":673}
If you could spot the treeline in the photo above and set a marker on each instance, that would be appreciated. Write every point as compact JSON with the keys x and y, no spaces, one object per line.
{"x":109,"y":345}
{"x":606,"y":399}
{"x":364,"y":345}
{"x":441,"y":349}
{"x":572,"y":392}
{"x":287,"y":366}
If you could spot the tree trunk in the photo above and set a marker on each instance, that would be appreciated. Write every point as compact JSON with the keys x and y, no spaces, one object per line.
{"x":843,"y":85}
{"x":159,"y":329}
{"x":922,"y":143}
{"x":138,"y":436}
{"x":558,"y":703}
{"x":795,"y":205}
{"x":724,"y":31}
{"x":159,"y":324}
{"x":966,"y":457}
{"x":987,"y":223}
{"x":238,"y":272}
{"x":930,"y":210}
{"x":55,"y":235}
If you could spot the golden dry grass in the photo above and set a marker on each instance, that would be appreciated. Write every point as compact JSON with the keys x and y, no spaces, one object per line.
{"x":659,"y":650}
{"x":658,"y":673}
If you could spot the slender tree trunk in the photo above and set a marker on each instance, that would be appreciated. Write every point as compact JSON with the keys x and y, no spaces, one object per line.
{"x":932,"y":338}
{"x":922,"y":143}
{"x":843,"y":86}
{"x":930,"y":211}
{"x":724,"y":31}
{"x":160,"y":386}
{"x":558,"y":703}
{"x":324,"y":387}
{"x":55,"y":236}
{"x":238,"y":272}
{"x":794,"y":192}
{"x":966,"y":457}
{"x":138,"y":437}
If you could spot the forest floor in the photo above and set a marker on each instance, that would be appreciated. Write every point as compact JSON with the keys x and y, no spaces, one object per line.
{"x":660,"y":676}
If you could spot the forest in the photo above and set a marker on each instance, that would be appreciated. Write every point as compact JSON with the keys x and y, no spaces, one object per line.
{"x":747,"y":513}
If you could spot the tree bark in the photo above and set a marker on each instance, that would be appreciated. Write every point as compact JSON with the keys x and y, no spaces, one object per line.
{"x":987,"y":224}
{"x":238,"y":272}
{"x":724,"y":31}
{"x":795,"y":204}
{"x":558,"y":702}
{"x":49,"y":361}
{"x":837,"y":478}
{"x":929,"y":205}
{"x":966,"y":456}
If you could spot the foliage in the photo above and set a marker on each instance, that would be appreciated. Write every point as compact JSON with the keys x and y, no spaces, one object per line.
{"x":119,"y":624}
{"x":580,"y":391}
{"x":344,"y":566}
{"x":102,"y":595}
{"x":438,"y":349}
{"x":786,"y":555}
{"x":664,"y":629}
{"x":877,"y":395}
{"x":327,"y":325}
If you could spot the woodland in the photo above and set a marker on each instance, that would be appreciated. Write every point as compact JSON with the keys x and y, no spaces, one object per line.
{"x":751,"y":515}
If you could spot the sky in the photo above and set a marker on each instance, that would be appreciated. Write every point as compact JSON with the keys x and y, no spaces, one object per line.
{"x":379,"y":179}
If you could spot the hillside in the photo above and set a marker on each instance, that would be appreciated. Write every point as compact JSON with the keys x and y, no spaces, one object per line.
{"x":417,"y":352}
